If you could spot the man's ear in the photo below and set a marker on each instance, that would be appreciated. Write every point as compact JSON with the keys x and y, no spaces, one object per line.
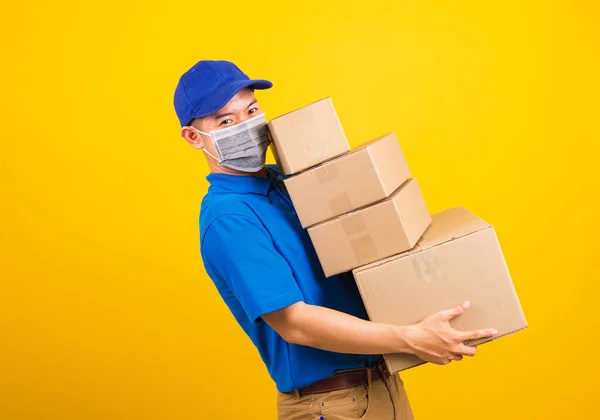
{"x":193,"y":137}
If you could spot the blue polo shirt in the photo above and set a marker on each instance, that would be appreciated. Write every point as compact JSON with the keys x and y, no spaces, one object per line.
{"x":261,"y":260}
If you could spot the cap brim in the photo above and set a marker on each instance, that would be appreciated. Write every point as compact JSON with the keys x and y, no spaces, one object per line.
{"x":225,"y":93}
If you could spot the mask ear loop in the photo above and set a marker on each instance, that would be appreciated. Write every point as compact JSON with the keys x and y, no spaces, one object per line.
{"x":211,"y":155}
{"x":204,"y":149}
{"x":199,"y":131}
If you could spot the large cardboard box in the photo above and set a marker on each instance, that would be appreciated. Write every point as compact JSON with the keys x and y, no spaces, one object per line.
{"x":372,"y":233}
{"x":363,"y":176}
{"x":307,"y":136}
{"x":457,"y":259}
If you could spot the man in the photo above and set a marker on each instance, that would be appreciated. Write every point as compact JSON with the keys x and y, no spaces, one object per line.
{"x":312,"y":332}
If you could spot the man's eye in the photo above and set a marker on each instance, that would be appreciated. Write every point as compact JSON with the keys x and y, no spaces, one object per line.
{"x":225,"y":122}
{"x":252,"y":111}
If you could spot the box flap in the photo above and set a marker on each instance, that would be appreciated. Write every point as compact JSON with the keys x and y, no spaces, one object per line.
{"x":445,"y":226}
{"x":450,"y":224}
{"x":325,"y":165}
{"x":327,"y":98}
{"x":371,"y":142}
{"x":333,"y":160}
{"x":404,"y":185}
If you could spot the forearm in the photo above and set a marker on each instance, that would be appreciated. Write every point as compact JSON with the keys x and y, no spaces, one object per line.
{"x":331,"y":330}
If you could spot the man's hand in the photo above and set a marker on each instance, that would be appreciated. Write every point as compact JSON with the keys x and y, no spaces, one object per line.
{"x":435,"y":341}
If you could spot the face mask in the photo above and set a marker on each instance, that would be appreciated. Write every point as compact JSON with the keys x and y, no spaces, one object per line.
{"x":242,"y":147}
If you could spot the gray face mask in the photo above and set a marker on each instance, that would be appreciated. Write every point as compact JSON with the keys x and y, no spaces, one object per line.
{"x":242,"y":147}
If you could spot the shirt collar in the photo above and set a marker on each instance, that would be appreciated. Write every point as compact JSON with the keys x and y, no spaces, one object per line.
{"x":240,"y":184}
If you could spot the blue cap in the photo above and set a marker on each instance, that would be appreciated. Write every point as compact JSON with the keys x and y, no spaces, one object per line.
{"x":208,"y":86}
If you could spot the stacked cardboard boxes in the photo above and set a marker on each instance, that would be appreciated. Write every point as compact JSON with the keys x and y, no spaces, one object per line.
{"x":359,"y":206}
{"x":365,"y":212}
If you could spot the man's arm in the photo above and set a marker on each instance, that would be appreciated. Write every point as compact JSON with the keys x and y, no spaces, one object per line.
{"x":241,"y":253}
{"x":433,"y":339}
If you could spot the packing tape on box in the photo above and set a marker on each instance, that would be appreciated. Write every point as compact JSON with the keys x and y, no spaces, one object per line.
{"x":353,"y":223}
{"x":426,"y":266}
{"x":363,"y":246}
{"x":364,"y":249}
{"x":339,"y":204}
{"x":327,"y":172}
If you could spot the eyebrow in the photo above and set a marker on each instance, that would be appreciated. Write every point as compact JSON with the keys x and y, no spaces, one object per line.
{"x":222,"y":115}
{"x":229,"y":113}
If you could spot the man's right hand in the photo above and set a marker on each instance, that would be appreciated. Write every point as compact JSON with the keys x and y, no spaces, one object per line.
{"x":434,"y":340}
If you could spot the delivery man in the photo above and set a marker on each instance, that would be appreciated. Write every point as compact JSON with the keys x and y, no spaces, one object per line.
{"x":312,"y":332}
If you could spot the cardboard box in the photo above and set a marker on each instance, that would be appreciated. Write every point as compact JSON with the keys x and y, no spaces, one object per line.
{"x":363,"y":176}
{"x":307,"y":136}
{"x":369,"y":234}
{"x":457,"y":259}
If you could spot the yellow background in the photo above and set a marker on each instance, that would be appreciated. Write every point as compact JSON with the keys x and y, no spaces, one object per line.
{"x":105,"y":310}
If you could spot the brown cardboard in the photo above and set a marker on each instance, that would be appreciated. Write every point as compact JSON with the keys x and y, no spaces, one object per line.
{"x":363,"y":176}
{"x":457,"y":259}
{"x":307,"y":136}
{"x":388,"y":227}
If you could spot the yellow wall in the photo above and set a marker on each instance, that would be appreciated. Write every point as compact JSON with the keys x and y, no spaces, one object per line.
{"x":105,"y":311}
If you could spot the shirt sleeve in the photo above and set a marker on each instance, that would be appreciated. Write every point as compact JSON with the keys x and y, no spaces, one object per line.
{"x":240,"y":251}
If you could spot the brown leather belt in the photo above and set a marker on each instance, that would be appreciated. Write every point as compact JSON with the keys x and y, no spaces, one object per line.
{"x":347,"y":379}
